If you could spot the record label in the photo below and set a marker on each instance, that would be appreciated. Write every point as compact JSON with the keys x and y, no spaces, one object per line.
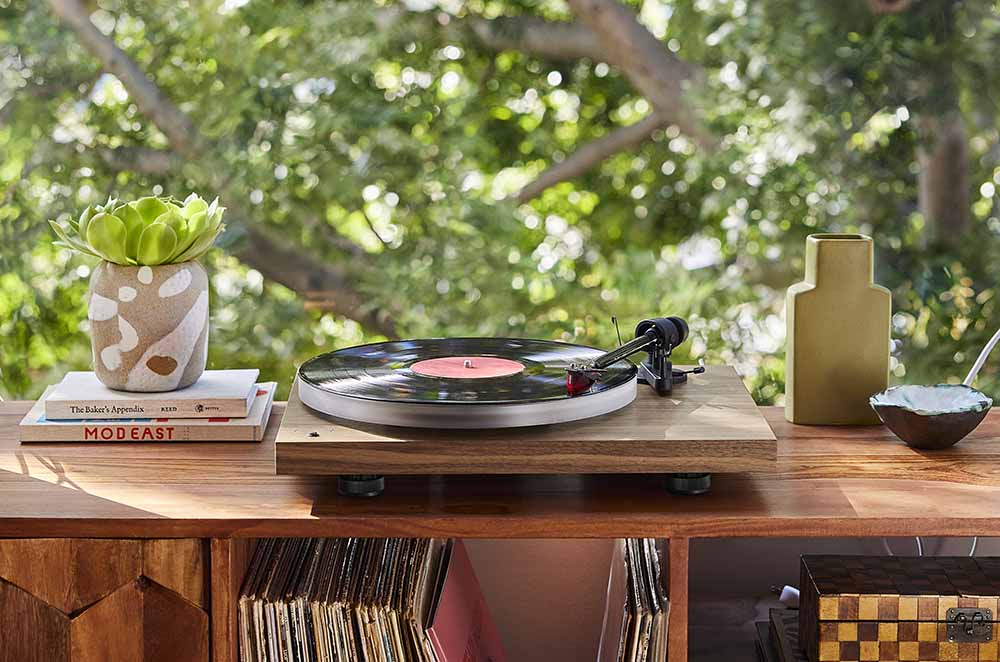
{"x":467,"y":367}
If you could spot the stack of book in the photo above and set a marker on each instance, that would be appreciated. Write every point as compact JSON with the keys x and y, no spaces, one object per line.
{"x":778,"y":637}
{"x":223,"y":405}
{"x":363,"y":599}
{"x":636,"y":612}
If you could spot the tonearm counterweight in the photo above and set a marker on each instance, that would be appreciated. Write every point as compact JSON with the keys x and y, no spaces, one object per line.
{"x":657,"y":337}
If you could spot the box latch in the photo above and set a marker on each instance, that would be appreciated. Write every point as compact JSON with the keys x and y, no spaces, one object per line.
{"x":969,"y":625}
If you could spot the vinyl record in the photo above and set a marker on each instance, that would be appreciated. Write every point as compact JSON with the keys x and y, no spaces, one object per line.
{"x":460,"y":383}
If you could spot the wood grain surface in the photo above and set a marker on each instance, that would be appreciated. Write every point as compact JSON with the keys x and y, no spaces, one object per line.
{"x":678,"y":552}
{"x":93,"y":600}
{"x":179,"y":565}
{"x":709,"y":424}
{"x":172,"y":628}
{"x":111,"y":629}
{"x":230,"y":560}
{"x":827,"y":481}
{"x":30,"y":630}
{"x":140,"y":621}
{"x":70,"y":574}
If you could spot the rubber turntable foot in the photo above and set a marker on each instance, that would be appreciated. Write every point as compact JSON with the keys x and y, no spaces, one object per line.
{"x":689,"y":484}
{"x":360,"y":485}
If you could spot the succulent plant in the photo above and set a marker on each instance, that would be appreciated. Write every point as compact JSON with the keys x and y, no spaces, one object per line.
{"x":148,"y":231}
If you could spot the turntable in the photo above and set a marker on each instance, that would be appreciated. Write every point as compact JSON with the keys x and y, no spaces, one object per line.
{"x":519,"y":406}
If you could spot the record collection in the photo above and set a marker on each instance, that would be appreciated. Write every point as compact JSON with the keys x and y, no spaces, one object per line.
{"x":364,"y":600}
{"x":637,"y":610}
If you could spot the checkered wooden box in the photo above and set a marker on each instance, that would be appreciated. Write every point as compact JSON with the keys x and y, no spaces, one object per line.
{"x":895,"y":609}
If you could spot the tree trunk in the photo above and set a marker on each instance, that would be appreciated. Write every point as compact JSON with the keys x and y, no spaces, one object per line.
{"x":943,"y":178}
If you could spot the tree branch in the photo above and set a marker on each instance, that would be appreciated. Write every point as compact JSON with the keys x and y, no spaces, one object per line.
{"x":591,"y":154}
{"x":144,"y":160}
{"x":889,"y":6}
{"x":606,"y":31}
{"x":284,"y":264}
{"x":46,"y":90}
{"x":551,"y":40}
{"x":656,"y":73}
{"x":272,"y":256}
{"x":174,"y":124}
{"x":329,"y":235}
{"x":943,"y":179}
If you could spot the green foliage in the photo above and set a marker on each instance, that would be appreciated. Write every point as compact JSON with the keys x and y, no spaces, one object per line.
{"x":399,"y":132}
{"x":148,"y":231}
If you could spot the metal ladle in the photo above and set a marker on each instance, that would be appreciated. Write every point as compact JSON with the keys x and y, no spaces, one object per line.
{"x":938,"y":416}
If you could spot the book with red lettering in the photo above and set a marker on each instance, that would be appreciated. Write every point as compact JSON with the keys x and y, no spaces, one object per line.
{"x":460,"y":627}
{"x":36,"y":428}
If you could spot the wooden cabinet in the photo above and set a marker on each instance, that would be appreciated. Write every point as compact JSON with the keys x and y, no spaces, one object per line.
{"x":92,"y":600}
{"x":125,"y":552}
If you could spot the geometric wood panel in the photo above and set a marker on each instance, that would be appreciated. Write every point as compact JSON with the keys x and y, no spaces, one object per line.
{"x":89,"y":600}
{"x":30,"y":630}
{"x":70,"y":574}
{"x":140,"y":621}
{"x":173,"y":628}
{"x":111,"y":629}
{"x":179,"y":565}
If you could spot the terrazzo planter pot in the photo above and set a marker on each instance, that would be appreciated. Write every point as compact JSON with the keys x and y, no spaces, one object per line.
{"x":149,"y":325}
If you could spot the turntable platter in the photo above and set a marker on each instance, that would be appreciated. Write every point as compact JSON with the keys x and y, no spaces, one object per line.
{"x":461,"y":383}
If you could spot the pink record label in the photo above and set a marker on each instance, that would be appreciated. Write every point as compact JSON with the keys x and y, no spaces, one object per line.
{"x":467,"y":367}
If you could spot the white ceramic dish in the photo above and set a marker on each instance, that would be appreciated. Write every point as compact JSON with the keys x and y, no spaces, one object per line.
{"x":933,"y":400}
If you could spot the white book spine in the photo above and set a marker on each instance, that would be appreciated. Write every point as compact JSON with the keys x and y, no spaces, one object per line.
{"x":166,"y":408}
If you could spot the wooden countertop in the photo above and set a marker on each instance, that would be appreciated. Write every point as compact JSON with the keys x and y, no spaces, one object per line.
{"x":827,"y":482}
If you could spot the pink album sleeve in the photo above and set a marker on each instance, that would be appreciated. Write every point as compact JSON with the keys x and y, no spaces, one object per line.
{"x":461,"y":629}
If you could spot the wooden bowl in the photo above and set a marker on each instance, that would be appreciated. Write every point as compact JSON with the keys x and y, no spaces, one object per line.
{"x":931,"y":417}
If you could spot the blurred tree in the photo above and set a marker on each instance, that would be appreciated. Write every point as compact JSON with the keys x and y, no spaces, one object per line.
{"x":511,"y":167}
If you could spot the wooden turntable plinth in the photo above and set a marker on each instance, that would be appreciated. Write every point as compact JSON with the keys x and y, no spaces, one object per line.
{"x":709,"y":425}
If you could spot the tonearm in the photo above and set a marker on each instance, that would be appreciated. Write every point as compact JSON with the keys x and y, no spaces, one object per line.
{"x":657,"y":337}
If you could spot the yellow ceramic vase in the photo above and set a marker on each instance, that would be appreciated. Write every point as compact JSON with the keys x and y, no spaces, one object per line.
{"x":838,"y":334}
